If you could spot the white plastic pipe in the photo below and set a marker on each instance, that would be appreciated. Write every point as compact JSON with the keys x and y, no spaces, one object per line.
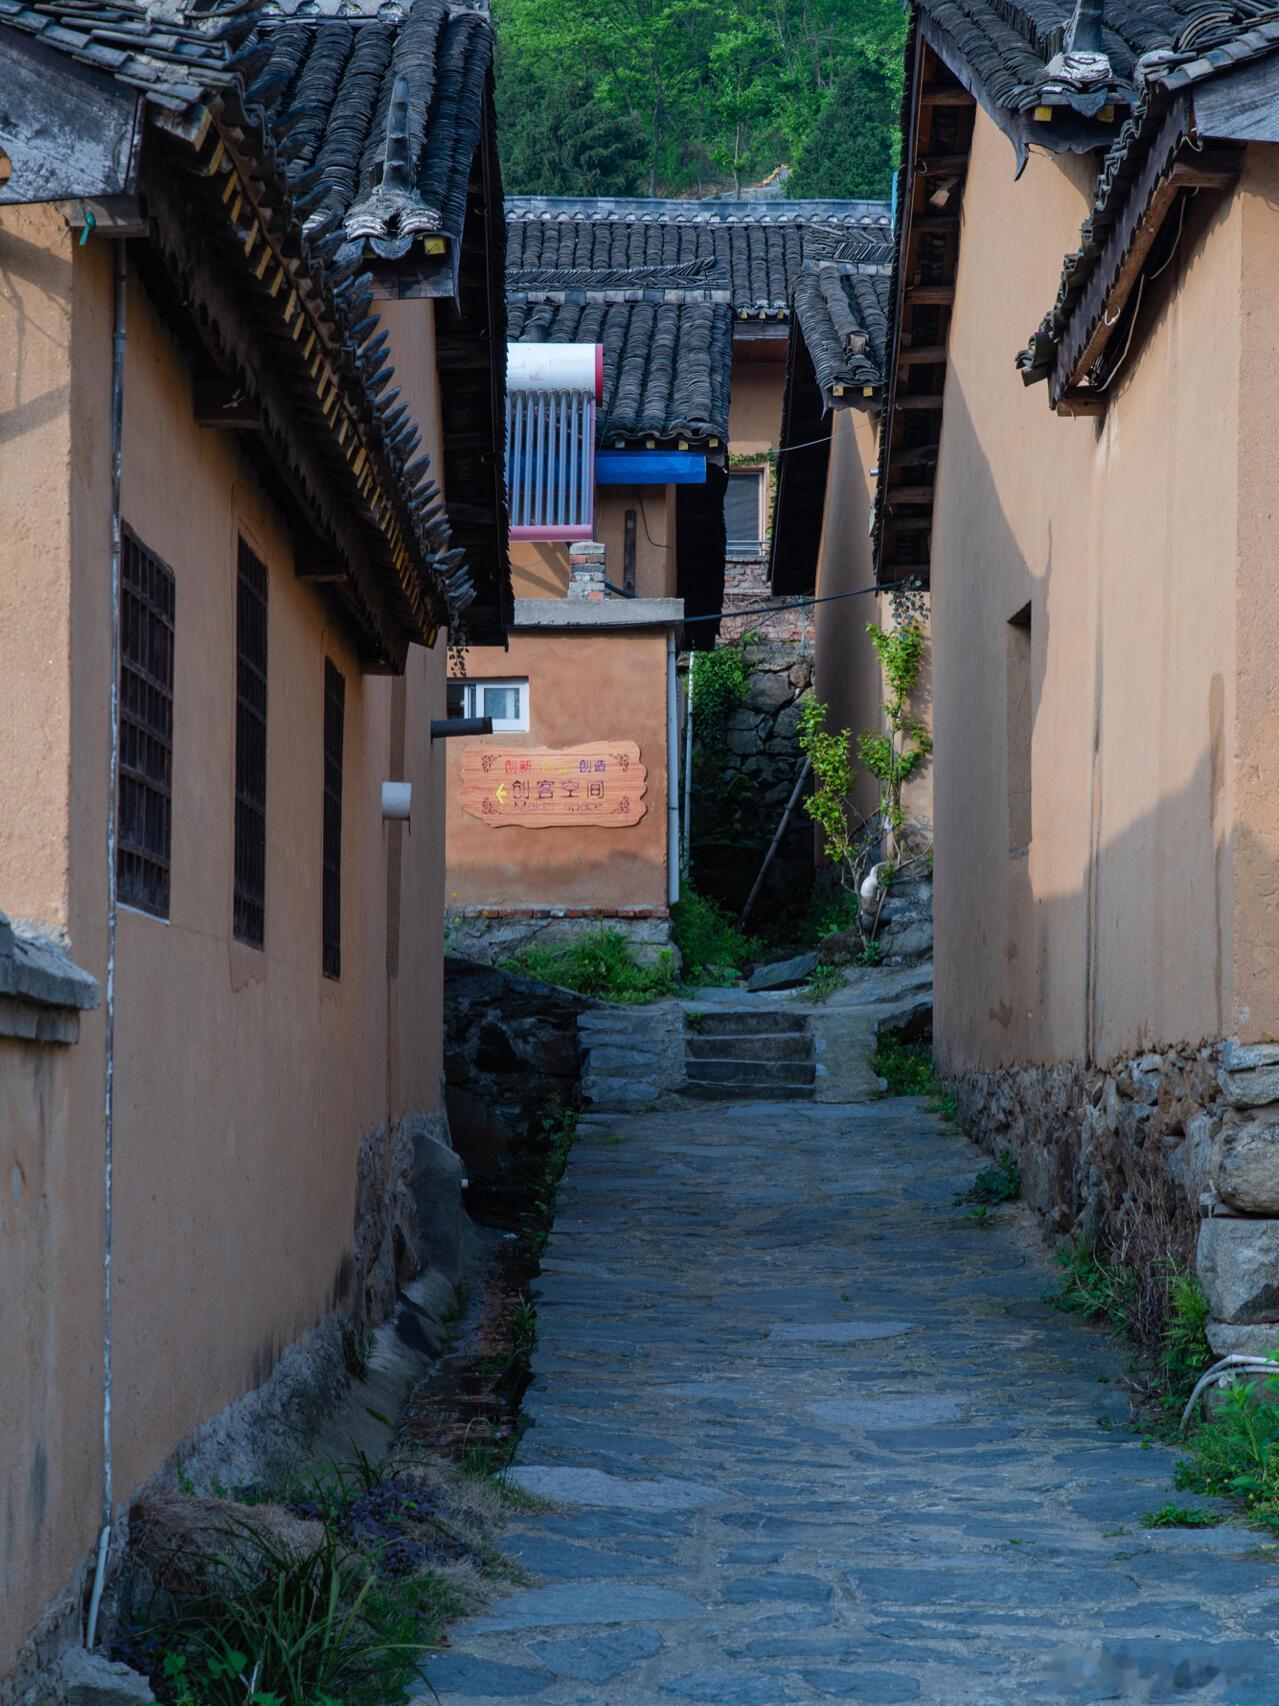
{"x":397,"y":801}
{"x":556,"y":367}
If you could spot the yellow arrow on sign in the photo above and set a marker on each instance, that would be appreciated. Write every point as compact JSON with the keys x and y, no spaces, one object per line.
{"x":501,"y":793}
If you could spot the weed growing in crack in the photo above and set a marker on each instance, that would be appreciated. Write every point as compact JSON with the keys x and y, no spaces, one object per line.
{"x":998,"y":1183}
{"x":1181,"y":1516}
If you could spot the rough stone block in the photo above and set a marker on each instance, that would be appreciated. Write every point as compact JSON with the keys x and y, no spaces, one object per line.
{"x":1192,"y":1163}
{"x":89,"y":1679}
{"x":1229,"y":1340}
{"x":784,"y":974}
{"x":1247,"y":1166}
{"x":1249,"y":1074}
{"x":1238,"y":1267}
{"x":437,"y":1191}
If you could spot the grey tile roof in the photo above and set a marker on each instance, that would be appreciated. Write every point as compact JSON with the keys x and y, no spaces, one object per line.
{"x":1010,"y":45}
{"x":233,"y":72}
{"x":761,"y":244}
{"x":394,"y":169}
{"x":1218,"y":45}
{"x":173,"y":59}
{"x":842,"y":309}
{"x":667,"y":364}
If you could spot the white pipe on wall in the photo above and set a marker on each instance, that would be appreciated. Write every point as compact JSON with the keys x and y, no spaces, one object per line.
{"x":118,"y":280}
{"x":672,"y":774}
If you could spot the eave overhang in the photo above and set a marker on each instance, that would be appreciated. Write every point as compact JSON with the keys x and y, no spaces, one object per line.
{"x":938,"y":116}
{"x":273,"y":322}
{"x":1158,"y":163}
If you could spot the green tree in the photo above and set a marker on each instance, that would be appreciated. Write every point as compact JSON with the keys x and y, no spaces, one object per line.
{"x":556,"y":138}
{"x":852,"y":149}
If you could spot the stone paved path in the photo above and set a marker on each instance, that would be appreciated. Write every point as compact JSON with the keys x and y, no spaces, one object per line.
{"x":813,"y":1436}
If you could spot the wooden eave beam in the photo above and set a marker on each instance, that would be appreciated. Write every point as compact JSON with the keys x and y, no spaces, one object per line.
{"x":909,"y":495}
{"x":928,"y":400}
{"x":948,"y":96}
{"x":1203,"y":171}
{"x":224,"y":402}
{"x":923,"y":355}
{"x":929,"y":295}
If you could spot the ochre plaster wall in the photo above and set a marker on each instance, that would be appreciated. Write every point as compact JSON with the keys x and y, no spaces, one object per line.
{"x":655,"y":558}
{"x":415,"y":854}
{"x":244,"y":1079}
{"x":1114,"y":931}
{"x":847,"y":676}
{"x":540,"y":570}
{"x":35,"y":544}
{"x":582,"y":687}
{"x":50,"y":1096}
{"x":1252,"y":731}
{"x":755,"y":406}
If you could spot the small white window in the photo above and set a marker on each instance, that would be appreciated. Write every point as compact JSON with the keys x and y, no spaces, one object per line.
{"x":505,"y":701}
{"x":744,"y":511}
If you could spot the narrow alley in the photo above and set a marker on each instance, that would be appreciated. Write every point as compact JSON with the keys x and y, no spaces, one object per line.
{"x":805,"y":1432}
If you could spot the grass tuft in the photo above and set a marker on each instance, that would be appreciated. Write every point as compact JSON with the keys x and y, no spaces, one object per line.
{"x":599,"y":963}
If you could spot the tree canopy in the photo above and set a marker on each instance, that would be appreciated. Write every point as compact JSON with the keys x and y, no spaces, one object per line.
{"x":651,"y":97}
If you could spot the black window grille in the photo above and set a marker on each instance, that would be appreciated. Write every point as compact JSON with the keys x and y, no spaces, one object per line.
{"x":250,"y":749}
{"x":144,"y":829}
{"x":334,"y":721}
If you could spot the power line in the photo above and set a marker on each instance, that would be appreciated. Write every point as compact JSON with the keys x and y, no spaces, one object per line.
{"x":796,"y":604}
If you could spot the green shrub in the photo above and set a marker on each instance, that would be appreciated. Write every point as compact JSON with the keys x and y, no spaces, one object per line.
{"x":598,"y":963}
{"x":908,"y":1067}
{"x":1236,"y":1452}
{"x":278,"y":1627}
{"x":1095,"y":1288}
{"x":712,"y":947}
{"x":1000,"y":1182}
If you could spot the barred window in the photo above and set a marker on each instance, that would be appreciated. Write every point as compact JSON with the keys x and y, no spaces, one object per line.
{"x":250,"y":749}
{"x":334,"y":721}
{"x":143,"y":832}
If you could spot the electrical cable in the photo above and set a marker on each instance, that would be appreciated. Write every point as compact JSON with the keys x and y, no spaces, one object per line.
{"x":795,"y":604}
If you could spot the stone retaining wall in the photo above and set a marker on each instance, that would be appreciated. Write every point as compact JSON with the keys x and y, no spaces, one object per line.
{"x":487,"y":935}
{"x":1174,"y":1153}
{"x":737,"y":808}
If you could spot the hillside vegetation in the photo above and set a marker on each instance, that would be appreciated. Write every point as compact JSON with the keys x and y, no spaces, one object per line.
{"x":670,"y":97}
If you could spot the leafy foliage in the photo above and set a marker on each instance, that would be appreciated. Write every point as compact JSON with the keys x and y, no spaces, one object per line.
{"x":823,"y":983}
{"x":1165,"y":1312}
{"x":1180,"y":1516}
{"x":842,"y":158}
{"x":679,"y":95}
{"x":712,"y":947}
{"x":720,"y":681}
{"x":276,"y":1626}
{"x":908,"y":1067}
{"x":599,"y":963}
{"x":1236,"y":1452}
{"x":894,"y":756}
{"x":997,"y":1183}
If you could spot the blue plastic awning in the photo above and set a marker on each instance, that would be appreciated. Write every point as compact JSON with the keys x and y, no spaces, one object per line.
{"x":650,"y":468}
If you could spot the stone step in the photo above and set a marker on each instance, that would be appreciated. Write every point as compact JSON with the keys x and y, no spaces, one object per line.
{"x":784,"y":1045}
{"x":743,"y":1023}
{"x":738,"y":1092}
{"x":751,"y":1072}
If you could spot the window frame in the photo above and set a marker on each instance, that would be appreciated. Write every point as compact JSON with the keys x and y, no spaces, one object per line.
{"x":248,"y":905}
{"x":754,"y":547}
{"x":471,"y":701}
{"x":331,"y":847}
{"x":154,"y":792}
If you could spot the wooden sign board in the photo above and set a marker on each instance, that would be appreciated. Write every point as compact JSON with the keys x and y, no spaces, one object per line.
{"x":600,"y":786}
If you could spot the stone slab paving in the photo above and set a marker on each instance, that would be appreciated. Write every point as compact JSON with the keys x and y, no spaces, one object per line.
{"x":811,"y":1435}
